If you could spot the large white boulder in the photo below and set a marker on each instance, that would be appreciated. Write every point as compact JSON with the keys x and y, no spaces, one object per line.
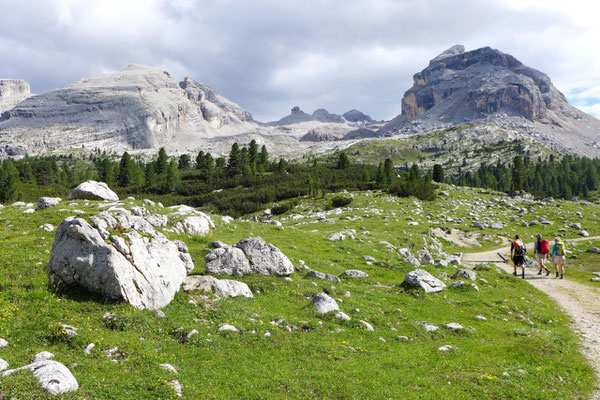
{"x":92,"y":190}
{"x":140,"y":265}
{"x":252,"y":255}
{"x":423,"y":279}
{"x":52,"y":375}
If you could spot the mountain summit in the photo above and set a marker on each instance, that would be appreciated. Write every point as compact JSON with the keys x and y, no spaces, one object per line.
{"x":492,"y":87}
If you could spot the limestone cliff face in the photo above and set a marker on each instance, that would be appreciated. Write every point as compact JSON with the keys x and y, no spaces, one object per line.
{"x":216,"y":109}
{"x":477,"y":83}
{"x":138,"y":108}
{"x":12,"y":92}
{"x":490,"y":87}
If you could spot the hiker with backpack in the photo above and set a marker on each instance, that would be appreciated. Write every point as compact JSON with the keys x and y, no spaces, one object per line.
{"x":558,"y":252}
{"x":541,"y":248}
{"x":517,"y":254}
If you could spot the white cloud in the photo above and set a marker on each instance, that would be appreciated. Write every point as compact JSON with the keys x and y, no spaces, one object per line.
{"x":270,"y":55}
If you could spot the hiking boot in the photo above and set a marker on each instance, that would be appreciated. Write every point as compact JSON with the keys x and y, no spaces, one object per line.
{"x":540,"y":272}
{"x":547,"y":272}
{"x":561,"y":276}
{"x":557,"y":274}
{"x":523,"y":275}
{"x":515,"y":274}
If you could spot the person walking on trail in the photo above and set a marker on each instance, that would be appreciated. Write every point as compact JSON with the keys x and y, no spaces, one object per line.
{"x":558,"y":252}
{"x":541,"y":249}
{"x":517,"y":254}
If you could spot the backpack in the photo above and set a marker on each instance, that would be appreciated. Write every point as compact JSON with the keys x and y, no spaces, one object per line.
{"x":544,"y":247}
{"x":560,"y":248}
{"x":520,"y":248}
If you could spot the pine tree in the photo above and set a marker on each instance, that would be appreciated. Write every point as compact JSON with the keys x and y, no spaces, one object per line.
{"x":185,"y":162}
{"x":343,"y":162}
{"x":234,"y":162}
{"x":263,"y":157}
{"x":438,"y":173}
{"x":105,"y":171}
{"x":150,"y":175}
{"x":125,"y":176}
{"x":388,"y":170}
{"x":253,"y":151}
{"x":172,"y":177}
{"x":162,"y":162}
{"x":517,"y":174}
{"x":9,"y":177}
{"x":199,"y":159}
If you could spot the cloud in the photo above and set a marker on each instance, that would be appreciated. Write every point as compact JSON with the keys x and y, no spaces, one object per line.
{"x":269,"y":55}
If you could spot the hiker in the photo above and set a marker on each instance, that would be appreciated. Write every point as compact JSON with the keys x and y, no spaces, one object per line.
{"x":558,"y":252}
{"x":517,"y":254}
{"x":541,"y":249}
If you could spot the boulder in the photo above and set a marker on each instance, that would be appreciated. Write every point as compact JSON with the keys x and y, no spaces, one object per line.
{"x":584,"y":233}
{"x":252,"y":255}
{"x":320,"y":275}
{"x":201,"y":283}
{"x":45,"y":202}
{"x":92,"y":190}
{"x":424,"y":257}
{"x":324,"y":304}
{"x":465,"y":274}
{"x":594,"y":250}
{"x":141,"y":267}
{"x":228,"y":288}
{"x":52,"y":375}
{"x":424,"y":280}
{"x":355,"y":273}
{"x":196,"y":225}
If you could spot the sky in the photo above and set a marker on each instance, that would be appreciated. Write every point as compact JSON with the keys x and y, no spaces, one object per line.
{"x":271,"y":55}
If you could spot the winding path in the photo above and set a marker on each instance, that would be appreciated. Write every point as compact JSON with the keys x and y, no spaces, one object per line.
{"x":580,"y":302}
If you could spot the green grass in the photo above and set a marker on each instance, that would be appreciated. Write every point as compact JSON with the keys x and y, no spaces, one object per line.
{"x":320,"y":357}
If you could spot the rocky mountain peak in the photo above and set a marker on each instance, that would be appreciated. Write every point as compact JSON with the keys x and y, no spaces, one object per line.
{"x":452,"y":51}
{"x":12,"y":92}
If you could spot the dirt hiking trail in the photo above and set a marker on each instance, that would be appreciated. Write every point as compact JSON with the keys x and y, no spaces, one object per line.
{"x":580,"y":302}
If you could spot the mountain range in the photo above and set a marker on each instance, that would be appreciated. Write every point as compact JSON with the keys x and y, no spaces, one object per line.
{"x":142,"y":108}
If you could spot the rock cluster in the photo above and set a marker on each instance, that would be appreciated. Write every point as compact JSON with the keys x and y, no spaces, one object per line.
{"x":248,"y":256}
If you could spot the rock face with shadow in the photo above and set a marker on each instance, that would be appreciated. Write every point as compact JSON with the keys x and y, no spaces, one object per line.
{"x":121,"y":258}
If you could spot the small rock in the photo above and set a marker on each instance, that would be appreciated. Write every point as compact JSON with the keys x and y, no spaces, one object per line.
{"x":355,"y":273}
{"x":159,"y":314}
{"x":225,"y":328}
{"x":446,"y":348}
{"x":454,"y":327}
{"x":177,"y":387}
{"x":3,"y":343}
{"x":324,"y":304}
{"x":88,"y":349}
{"x":169,"y":367}
{"x":342,"y":316}
{"x":367,"y":325}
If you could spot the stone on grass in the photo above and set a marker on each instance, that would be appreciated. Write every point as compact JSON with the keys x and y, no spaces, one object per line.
{"x":201,"y":283}
{"x":594,"y":250}
{"x":228,"y":328}
{"x":342,"y":316}
{"x":228,"y":288}
{"x":159,"y":314}
{"x":54,"y":377}
{"x":354,"y":273}
{"x":88,"y":348}
{"x":337,"y":236}
{"x":169,"y":367}
{"x":584,"y":233}
{"x":46,"y":227}
{"x":446,"y":348}
{"x":465,"y":274}
{"x":177,"y":387}
{"x":324,"y":304}
{"x":252,"y":255}
{"x":92,"y":190}
{"x":320,"y":275}
{"x":196,"y":225}
{"x":429,"y":327}
{"x":367,"y":325}
{"x":3,"y":342}
{"x":3,"y":365}
{"x":424,"y":280}
{"x":481,"y":317}
{"x":146,"y":273}
{"x":424,"y":257}
{"x":453,"y":326}
{"x":46,"y":202}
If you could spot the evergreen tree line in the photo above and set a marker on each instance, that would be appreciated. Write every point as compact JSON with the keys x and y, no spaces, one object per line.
{"x":564,"y":178}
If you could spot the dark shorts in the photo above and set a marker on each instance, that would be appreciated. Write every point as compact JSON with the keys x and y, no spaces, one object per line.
{"x":518,"y":260}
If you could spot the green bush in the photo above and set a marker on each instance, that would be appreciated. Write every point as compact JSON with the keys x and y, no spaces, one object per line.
{"x":340,"y":201}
